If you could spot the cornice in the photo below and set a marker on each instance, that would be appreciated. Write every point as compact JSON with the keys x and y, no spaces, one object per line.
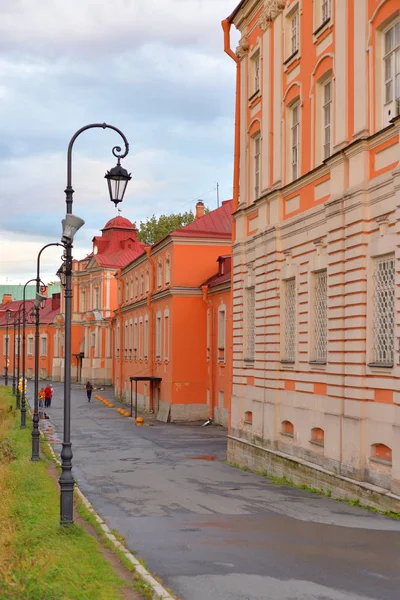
{"x":222,"y":287}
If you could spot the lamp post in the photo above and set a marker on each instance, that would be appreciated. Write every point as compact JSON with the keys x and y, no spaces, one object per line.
{"x":117,"y":179}
{"x":23,"y":397}
{"x":38,"y":300}
{"x":8,"y":317}
{"x":14,"y":348}
{"x":17,"y":351}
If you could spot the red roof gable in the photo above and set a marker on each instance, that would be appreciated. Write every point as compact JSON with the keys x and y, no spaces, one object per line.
{"x":118,"y":244}
{"x":216,"y":223}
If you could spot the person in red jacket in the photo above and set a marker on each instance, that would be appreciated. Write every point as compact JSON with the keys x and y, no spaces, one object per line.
{"x":47,"y":396}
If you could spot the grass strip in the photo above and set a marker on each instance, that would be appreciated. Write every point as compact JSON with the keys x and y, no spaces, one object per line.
{"x":39,"y":559}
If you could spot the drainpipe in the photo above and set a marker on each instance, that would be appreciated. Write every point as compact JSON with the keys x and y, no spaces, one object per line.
{"x":207,"y":301}
{"x":226,"y":26}
{"x":151,"y":328}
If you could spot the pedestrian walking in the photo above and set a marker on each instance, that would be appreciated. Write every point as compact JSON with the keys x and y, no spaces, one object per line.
{"x":47,"y":396}
{"x":41,"y":398}
{"x":52,"y":392}
{"x":89,"y":390}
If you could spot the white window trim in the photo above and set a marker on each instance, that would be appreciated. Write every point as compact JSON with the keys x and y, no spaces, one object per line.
{"x":146,"y":338}
{"x":135,"y":343}
{"x":319,"y":116}
{"x":254,"y":65}
{"x":30,"y":338}
{"x":167,"y":333}
{"x":320,"y":25}
{"x":6,"y":351}
{"x":291,"y":55}
{"x":158,"y":335}
{"x":295,"y":104}
{"x":392,"y":105}
{"x":167,"y":277}
{"x":44,"y":337}
{"x":221,"y":339}
{"x":379,"y":246}
{"x":256,"y":166}
{"x":140,"y":339}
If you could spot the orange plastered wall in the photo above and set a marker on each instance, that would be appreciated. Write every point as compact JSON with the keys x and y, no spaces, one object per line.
{"x":193,"y":264}
{"x":189,"y":374}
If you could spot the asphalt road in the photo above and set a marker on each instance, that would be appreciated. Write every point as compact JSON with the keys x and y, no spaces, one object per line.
{"x":213,"y":532}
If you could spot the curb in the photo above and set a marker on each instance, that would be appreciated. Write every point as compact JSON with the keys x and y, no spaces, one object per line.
{"x":159,"y":592}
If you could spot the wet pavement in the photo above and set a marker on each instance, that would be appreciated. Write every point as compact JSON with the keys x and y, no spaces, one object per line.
{"x":211,"y":531}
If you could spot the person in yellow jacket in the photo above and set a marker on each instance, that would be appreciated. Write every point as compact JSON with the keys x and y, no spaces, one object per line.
{"x":41,"y":398}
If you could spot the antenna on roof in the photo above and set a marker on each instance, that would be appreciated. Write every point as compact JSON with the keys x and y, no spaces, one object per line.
{"x":217,"y":194}
{"x":119,"y":210}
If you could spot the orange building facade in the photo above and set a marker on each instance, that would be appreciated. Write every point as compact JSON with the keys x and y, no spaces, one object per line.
{"x":163,"y":326}
{"x":94,"y":292}
{"x":316,"y":294}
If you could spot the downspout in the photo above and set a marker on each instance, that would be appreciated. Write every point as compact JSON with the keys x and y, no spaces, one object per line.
{"x":151,"y":328}
{"x":208,"y":303}
{"x":226,"y":26}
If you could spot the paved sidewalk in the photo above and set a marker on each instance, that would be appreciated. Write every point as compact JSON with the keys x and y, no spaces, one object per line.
{"x":214,"y":532}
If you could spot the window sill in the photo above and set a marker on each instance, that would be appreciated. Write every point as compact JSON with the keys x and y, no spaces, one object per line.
{"x":380,"y":366}
{"x":317,"y":443}
{"x":287,"y":362}
{"x":317,"y":362}
{"x":381,"y":461}
{"x":289,"y":435}
{"x":291,"y":58}
{"x":321,"y":28}
{"x":248,"y":422}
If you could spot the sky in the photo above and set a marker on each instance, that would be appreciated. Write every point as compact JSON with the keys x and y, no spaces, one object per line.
{"x":155,"y":69}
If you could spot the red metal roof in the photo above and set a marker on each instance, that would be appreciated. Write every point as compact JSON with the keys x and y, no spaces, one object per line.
{"x":219,"y":278}
{"x":217,"y":223}
{"x":119,"y":223}
{"x":118,"y":244}
{"x":47,"y":313}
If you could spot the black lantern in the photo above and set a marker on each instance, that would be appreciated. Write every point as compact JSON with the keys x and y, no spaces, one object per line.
{"x":117,"y":179}
{"x":61,"y":274}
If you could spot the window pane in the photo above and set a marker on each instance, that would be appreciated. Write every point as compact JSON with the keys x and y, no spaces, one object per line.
{"x":383,"y":310}
{"x":320,"y":317}
{"x":389,"y":40}
{"x":389,"y":91}
{"x":388,"y":67}
{"x":290,"y":319}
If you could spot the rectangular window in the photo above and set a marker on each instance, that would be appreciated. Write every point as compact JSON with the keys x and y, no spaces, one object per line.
{"x":290,"y":320}
{"x":257,"y":167}
{"x":325,"y":10}
{"x":6,"y":345}
{"x":256,"y":73}
{"x":208,"y":336}
{"x":327,"y":118}
{"x":135,"y":340}
{"x":250,"y":308}
{"x":166,"y":337}
{"x":140,"y":342}
{"x":294,"y":33}
{"x":383,"y":310}
{"x":392,"y":67}
{"x":320,"y":317}
{"x":96,"y":297}
{"x":43,"y":346}
{"x":295,"y":138}
{"x":158,"y":337}
{"x":17,"y":339}
{"x":142,"y":284}
{"x":83,"y":301}
{"x":167,"y":270}
{"x":146,"y":338}
{"x":30,"y":346}
{"x":221,"y":334}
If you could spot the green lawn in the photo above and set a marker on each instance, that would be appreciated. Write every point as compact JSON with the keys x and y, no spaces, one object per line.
{"x":39,"y":559}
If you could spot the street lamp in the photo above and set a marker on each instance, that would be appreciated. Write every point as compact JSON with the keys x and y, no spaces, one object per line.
{"x":117,"y":179}
{"x":8,"y":317}
{"x":39,"y":298}
{"x":23,"y":402}
{"x":17,"y":349}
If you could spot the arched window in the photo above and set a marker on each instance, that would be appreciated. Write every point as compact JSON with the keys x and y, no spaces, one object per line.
{"x":381,"y":453}
{"x":287,"y":428}
{"x":159,"y":274}
{"x":317,"y":436}
{"x":167,"y":270}
{"x":248,"y":416}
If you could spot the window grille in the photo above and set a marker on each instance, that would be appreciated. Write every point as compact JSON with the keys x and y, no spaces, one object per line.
{"x":325,"y":10}
{"x":290,"y":320}
{"x":256,"y":167}
{"x":320,"y":317}
{"x":250,"y":323}
{"x":392,"y":66}
{"x":327,"y":116}
{"x":294,"y":39}
{"x":295,"y":141}
{"x":383,"y":310}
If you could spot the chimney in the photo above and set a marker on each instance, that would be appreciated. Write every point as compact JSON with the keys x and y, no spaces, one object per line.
{"x":6,"y":299}
{"x":199,"y":209}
